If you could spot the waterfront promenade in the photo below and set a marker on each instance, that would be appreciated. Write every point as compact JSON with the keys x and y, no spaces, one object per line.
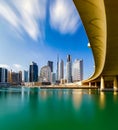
{"x":63,"y":86}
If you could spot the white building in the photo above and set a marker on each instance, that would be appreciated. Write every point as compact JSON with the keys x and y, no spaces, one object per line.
{"x":45,"y":74}
{"x":77,"y":70}
{"x":61,"y":70}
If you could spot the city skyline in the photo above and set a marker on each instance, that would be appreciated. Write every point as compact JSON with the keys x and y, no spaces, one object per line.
{"x":44,"y":76}
{"x":62,"y":67}
{"x":47,"y":36}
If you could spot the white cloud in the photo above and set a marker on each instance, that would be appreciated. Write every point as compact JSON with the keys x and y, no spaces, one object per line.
{"x":63,"y":16}
{"x":14,"y":67}
{"x":17,"y":67}
{"x":5,"y":66}
{"x":27,"y":15}
{"x":30,"y":16}
{"x":7,"y":13}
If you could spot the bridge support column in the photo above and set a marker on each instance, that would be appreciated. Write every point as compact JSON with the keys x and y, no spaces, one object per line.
{"x":95,"y":84}
{"x":115,"y":84}
{"x":89,"y":84}
{"x":102,"y":85}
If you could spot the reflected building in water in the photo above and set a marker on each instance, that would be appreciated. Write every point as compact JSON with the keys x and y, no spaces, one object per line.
{"x":102,"y":100}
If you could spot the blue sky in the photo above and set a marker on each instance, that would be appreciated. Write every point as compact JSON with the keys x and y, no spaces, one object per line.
{"x":38,"y":30}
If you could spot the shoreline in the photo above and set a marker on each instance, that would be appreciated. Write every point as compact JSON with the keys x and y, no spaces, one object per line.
{"x":69,"y":87}
{"x":64,"y":87}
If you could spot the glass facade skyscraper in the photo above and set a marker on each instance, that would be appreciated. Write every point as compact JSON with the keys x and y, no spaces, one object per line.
{"x":25,"y":76}
{"x":3,"y":75}
{"x":33,"y":72}
{"x":69,"y":69}
{"x":50,"y":64}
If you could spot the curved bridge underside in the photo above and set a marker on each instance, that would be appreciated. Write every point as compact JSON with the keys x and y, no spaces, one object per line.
{"x":100,"y":20}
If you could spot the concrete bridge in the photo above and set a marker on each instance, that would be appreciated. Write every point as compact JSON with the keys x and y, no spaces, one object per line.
{"x":100,"y":19}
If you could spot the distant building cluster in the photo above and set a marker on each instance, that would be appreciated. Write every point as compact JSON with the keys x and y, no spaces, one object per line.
{"x":72,"y":72}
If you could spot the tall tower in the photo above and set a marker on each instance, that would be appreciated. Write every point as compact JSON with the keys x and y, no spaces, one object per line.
{"x":57,"y":67}
{"x":3,"y":75}
{"x":20,"y":76}
{"x":77,"y":70}
{"x":61,"y":69}
{"x":45,"y":74}
{"x":50,"y":64}
{"x":25,"y":76}
{"x":33,"y":72}
{"x":69,"y":69}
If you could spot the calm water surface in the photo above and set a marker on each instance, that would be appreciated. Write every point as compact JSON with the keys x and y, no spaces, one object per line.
{"x":38,"y":109}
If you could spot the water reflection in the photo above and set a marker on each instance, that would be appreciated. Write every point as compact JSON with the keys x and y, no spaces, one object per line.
{"x":77,"y":98}
{"x":25,"y":92}
{"x":115,"y":96}
{"x":43,"y":94}
{"x":30,"y":108}
{"x":102,"y":100}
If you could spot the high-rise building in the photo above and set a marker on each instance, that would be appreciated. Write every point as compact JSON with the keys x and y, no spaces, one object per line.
{"x":53,"y":77}
{"x":50,"y":64}
{"x":20,"y":76}
{"x":25,"y":76}
{"x":77,"y":70}
{"x":9,"y":76}
{"x":61,"y":69}
{"x":57,"y":68}
{"x":16,"y":78}
{"x":33,"y":72}
{"x":69,"y":69}
{"x":45,"y":74}
{"x":3,"y":75}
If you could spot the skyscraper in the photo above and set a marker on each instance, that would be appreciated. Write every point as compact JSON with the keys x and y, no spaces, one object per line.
{"x":77,"y":70}
{"x":57,"y":68}
{"x":50,"y":64}
{"x":53,"y":77}
{"x":20,"y":76}
{"x":25,"y":76}
{"x":33,"y":72}
{"x":3,"y":75}
{"x":45,"y":74}
{"x":16,"y":78}
{"x":69,"y":69}
{"x":61,"y":70}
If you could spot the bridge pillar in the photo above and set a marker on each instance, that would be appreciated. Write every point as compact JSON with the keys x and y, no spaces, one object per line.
{"x":89,"y":84}
{"x":115,"y":84}
{"x":95,"y":84}
{"x":102,"y":85}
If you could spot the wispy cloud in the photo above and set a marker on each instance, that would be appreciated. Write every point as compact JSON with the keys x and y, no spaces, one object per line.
{"x":25,"y":15}
{"x":63,"y":16}
{"x":5,"y":66}
{"x":29,"y":16}
{"x":14,"y":67}
{"x":17,"y":67}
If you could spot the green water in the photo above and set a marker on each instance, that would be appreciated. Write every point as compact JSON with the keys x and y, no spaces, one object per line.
{"x":36,"y":109}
